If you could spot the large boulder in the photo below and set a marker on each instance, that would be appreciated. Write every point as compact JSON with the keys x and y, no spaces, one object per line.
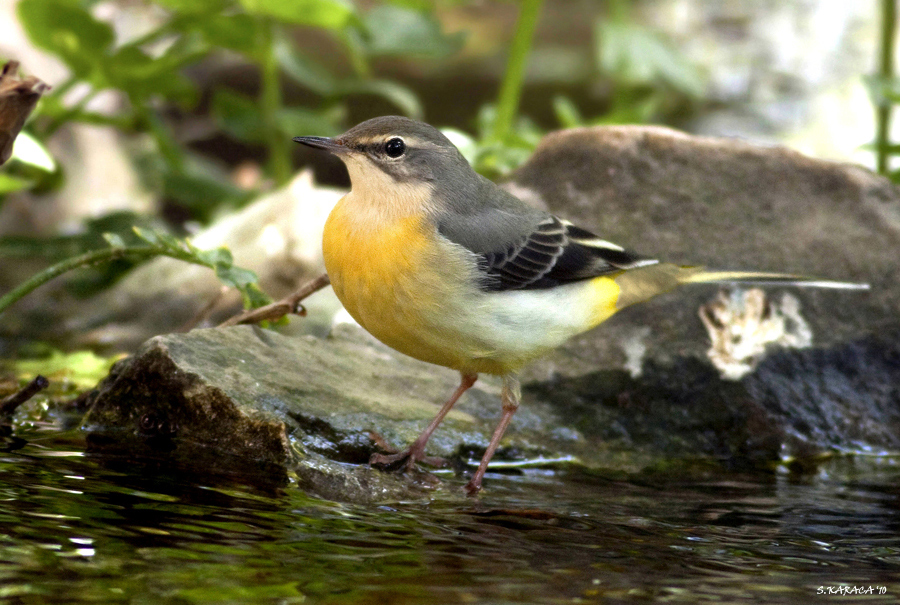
{"x":724,"y":204}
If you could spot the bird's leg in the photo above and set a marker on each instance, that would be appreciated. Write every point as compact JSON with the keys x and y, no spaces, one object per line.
{"x":511,"y":395}
{"x":416,"y":451}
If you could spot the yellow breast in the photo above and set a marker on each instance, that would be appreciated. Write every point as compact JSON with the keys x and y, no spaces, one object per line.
{"x":388,"y":275}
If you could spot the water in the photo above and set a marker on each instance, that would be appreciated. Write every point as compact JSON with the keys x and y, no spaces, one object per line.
{"x":76,"y":531}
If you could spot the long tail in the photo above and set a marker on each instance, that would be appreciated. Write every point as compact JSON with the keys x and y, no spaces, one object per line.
{"x":762,"y":278}
{"x":640,"y":284}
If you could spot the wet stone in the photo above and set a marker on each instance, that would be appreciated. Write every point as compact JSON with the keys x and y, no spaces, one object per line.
{"x":270,"y":409}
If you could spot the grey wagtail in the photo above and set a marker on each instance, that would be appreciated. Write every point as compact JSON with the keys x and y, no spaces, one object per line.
{"x":443,"y":265}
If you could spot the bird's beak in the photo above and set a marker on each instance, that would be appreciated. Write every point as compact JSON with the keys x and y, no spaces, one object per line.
{"x":331,"y":145}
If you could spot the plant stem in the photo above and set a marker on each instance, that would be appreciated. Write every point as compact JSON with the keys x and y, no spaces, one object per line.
{"x":271,"y":102}
{"x":886,"y":75}
{"x":511,"y":89}
{"x":356,"y":54}
{"x":85,"y":260}
{"x":165,"y":143}
{"x":70,"y":113}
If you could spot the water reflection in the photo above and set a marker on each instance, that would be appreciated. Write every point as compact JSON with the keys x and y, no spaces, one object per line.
{"x":77,"y":532}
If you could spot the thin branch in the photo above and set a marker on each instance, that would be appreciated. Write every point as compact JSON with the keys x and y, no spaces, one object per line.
{"x":9,"y":405}
{"x":289,"y":305}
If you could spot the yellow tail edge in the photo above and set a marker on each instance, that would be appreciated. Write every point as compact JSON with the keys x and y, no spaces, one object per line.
{"x":696,"y":275}
{"x":643,"y":283}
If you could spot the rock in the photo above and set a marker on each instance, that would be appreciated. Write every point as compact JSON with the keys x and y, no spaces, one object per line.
{"x":253,"y":404}
{"x":724,"y":204}
{"x":798,"y":406}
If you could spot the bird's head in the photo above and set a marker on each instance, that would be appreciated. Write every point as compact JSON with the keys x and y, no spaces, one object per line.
{"x":391,"y":151}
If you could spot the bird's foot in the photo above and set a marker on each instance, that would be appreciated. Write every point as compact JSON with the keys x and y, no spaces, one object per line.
{"x":473,"y":487}
{"x":406,"y":459}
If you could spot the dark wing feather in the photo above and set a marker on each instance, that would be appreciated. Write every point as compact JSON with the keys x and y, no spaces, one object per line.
{"x":554,"y":253}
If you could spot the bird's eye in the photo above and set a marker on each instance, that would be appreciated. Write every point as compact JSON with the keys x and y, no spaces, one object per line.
{"x":395,"y":147}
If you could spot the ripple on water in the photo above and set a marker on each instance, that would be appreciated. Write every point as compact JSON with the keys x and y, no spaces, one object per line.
{"x":78,"y":532}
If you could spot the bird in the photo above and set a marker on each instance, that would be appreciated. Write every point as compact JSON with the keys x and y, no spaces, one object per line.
{"x":445,"y":266}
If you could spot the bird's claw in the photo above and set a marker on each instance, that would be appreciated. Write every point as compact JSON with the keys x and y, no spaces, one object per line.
{"x":405,"y":460}
{"x":472,"y":488}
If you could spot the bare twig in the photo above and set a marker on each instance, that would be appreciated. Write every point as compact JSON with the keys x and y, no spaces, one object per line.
{"x":288,"y":305}
{"x":8,"y":405}
{"x":18,"y":96}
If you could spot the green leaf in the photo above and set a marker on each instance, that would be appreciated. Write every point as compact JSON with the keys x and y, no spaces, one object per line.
{"x":328,"y":14}
{"x":82,"y":369}
{"x":170,"y":241}
{"x":297,"y":120}
{"x":254,"y":297}
{"x":194,"y":6}
{"x":148,"y":235}
{"x":497,"y":158}
{"x":567,"y":112}
{"x":238,"y":115}
{"x":29,"y":150}
{"x":191,"y":248}
{"x":302,"y":69}
{"x":402,"y":97}
{"x":142,"y":76}
{"x":10,"y":183}
{"x":159,"y":238}
{"x":892,"y":149}
{"x":69,"y":32}
{"x":218,"y":257}
{"x":237,"y":32}
{"x":635,"y":107}
{"x":421,"y":5}
{"x":397,"y":31}
{"x":637,"y":56}
{"x":114,"y":240}
{"x":882,"y":90}
{"x":235,"y":276}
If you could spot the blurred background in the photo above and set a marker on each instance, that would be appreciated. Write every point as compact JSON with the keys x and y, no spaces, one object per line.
{"x":172,"y":114}
{"x":183,"y":107}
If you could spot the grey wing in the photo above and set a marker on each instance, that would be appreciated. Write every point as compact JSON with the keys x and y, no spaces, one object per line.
{"x":520,"y":247}
{"x":553,"y":253}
